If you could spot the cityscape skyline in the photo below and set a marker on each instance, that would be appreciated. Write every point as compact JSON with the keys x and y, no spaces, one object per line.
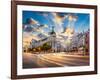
{"x":55,"y":39}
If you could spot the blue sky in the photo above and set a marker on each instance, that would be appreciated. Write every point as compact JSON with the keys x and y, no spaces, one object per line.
{"x":79,"y":21}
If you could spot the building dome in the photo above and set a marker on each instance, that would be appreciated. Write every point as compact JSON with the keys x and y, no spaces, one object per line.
{"x":52,"y":31}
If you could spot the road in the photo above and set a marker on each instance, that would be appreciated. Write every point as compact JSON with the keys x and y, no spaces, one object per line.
{"x":53,"y":60}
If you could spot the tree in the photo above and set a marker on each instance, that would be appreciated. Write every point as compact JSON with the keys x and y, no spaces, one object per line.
{"x":45,"y":47}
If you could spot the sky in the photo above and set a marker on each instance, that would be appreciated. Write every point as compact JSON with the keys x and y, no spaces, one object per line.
{"x":79,"y":21}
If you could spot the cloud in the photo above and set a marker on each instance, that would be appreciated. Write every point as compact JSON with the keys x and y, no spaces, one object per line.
{"x":46,"y":26}
{"x":28,"y":28}
{"x":27,"y":37}
{"x":31,"y":21}
{"x":72,"y":17}
{"x":58,"y":21}
{"x":71,"y":20}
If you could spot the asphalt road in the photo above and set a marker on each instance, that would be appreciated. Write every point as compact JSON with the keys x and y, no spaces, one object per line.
{"x":53,"y":60}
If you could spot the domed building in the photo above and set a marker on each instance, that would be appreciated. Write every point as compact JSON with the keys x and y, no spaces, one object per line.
{"x":52,"y":39}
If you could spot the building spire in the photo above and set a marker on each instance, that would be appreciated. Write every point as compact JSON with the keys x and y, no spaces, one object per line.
{"x":52,"y":31}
